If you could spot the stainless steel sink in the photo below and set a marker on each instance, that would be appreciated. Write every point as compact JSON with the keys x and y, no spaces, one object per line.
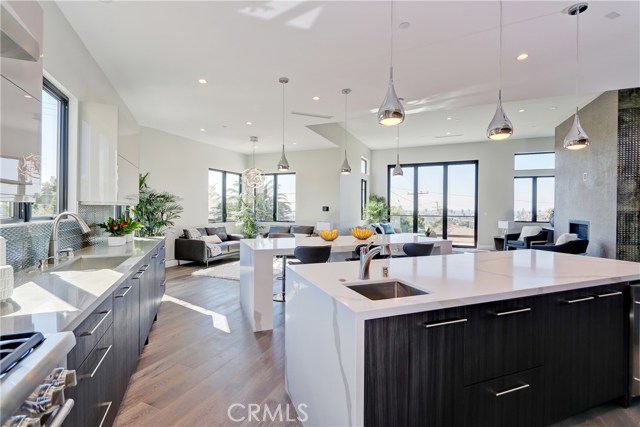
{"x":92,"y":263}
{"x":386,"y":290}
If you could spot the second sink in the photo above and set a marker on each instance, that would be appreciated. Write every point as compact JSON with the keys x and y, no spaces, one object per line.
{"x":386,"y":290}
{"x":92,"y":263}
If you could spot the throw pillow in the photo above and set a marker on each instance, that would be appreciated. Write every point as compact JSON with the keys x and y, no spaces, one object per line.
{"x":376,"y":228}
{"x":211,"y":239}
{"x":301,"y":230}
{"x":566,"y":237}
{"x":529,"y":230}
{"x":387,"y":228}
{"x":221,"y":232}
{"x":191,"y":233}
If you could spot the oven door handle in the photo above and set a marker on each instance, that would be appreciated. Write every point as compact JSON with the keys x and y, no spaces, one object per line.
{"x":61,"y":414}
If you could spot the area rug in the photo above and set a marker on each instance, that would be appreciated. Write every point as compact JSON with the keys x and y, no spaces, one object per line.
{"x":231,"y":270}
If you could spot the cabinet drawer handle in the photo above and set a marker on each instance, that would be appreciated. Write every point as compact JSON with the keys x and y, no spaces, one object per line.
{"x":511,"y":390}
{"x":636,"y":302}
{"x":128,"y":288}
{"x":573,"y":301}
{"x":610,"y":294}
{"x":104,"y":417}
{"x":154,"y":256}
{"x":62,"y":414}
{"x":162,"y":261}
{"x":445,"y":323}
{"x":520,"y":310}
{"x":144,"y":267}
{"x":95,"y":328}
{"x":95,"y":370}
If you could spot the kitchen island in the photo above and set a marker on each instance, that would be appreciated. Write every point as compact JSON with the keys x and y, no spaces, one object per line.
{"x":256,"y":266}
{"x":498,"y":338}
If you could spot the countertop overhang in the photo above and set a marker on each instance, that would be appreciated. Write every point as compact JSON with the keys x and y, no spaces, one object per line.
{"x":463,"y":279}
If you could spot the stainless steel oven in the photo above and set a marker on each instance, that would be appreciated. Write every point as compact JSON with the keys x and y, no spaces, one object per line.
{"x":635,"y":339}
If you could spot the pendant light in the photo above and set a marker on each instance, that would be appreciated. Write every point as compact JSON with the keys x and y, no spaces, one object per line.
{"x":345,"y":169}
{"x":500,"y":126}
{"x":253,"y":177}
{"x":391,"y":112}
{"x":283,"y":164}
{"x":397,"y":171}
{"x":577,"y":138}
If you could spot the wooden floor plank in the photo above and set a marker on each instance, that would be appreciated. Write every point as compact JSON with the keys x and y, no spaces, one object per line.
{"x":190,"y":373}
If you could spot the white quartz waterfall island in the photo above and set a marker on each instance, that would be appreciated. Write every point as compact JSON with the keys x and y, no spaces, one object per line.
{"x":407,"y":361}
{"x":256,"y":266}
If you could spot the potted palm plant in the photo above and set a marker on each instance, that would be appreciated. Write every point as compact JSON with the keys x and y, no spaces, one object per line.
{"x":156,"y":210}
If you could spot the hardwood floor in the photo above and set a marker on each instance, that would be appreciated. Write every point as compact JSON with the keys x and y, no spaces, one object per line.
{"x":202,"y":358}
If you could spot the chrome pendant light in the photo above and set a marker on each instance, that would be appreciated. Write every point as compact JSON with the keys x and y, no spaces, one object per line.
{"x":397,"y":170}
{"x":577,"y":138}
{"x":391,"y":112}
{"x":500,"y":126}
{"x":253,"y":177}
{"x":345,"y":169}
{"x":283,"y":164}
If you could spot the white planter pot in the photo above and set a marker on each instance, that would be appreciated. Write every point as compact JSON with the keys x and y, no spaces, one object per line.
{"x":116,"y":240}
{"x":129,"y":237}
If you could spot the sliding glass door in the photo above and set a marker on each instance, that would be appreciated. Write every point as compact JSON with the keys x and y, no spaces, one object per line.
{"x":441,"y":197}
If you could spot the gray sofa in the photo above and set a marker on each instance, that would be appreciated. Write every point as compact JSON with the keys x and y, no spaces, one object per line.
{"x":307,"y":230}
{"x":196,"y":250}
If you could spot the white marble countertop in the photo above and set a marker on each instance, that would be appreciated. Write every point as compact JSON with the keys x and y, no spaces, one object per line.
{"x":340,"y":244}
{"x":55,"y":301}
{"x":463,"y":279}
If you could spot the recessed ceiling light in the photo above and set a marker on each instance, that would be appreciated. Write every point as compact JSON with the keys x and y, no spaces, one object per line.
{"x":449,"y":118}
{"x":295,"y":143}
{"x":202,"y":81}
{"x":521,"y":110}
{"x":202,"y":130}
{"x":553,"y":108}
{"x":522,"y":56}
{"x":448,"y":133}
{"x":316,"y":98}
{"x":404,"y":25}
{"x":612,"y":15}
{"x":28,"y":96}
{"x":249,"y":123}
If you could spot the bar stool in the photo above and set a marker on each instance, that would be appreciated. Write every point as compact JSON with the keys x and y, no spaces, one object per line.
{"x":417,"y":249}
{"x":280,"y":297}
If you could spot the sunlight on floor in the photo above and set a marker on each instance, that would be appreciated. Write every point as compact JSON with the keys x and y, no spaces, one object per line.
{"x":220,"y":321}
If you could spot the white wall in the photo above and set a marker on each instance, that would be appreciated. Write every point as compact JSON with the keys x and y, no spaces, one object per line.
{"x":69,"y":65}
{"x":495,"y":174}
{"x":181,"y":166}
{"x":350,"y":186}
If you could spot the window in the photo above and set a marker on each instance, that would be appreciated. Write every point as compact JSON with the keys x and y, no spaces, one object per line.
{"x":533,"y":198}
{"x":364,"y":165}
{"x":439,"y":196}
{"x":533,"y":192}
{"x":276,"y":199}
{"x":533,"y":161}
{"x":224,"y":189}
{"x":52,"y":197}
{"x":363,"y":197}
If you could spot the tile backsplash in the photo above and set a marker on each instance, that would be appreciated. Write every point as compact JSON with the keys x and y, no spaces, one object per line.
{"x":27,"y":243}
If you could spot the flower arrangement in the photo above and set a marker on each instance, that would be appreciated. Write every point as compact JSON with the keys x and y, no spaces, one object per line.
{"x":116,"y":226}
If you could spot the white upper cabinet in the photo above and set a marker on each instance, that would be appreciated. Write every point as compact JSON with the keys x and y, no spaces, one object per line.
{"x":98,"y":165}
{"x":128,"y":168}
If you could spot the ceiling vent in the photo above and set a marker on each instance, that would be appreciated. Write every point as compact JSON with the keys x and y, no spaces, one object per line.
{"x":318,"y":116}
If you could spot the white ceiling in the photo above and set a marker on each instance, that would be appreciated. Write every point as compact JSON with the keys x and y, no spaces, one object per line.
{"x":445,"y":63}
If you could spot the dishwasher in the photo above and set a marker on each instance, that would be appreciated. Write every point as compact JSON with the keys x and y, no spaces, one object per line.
{"x":635,"y":339}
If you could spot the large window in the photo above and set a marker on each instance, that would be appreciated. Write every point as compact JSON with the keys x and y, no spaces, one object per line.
{"x":52,"y":197}
{"x":533,"y":198}
{"x":224,"y":189}
{"x":363,"y":197}
{"x":533,"y":189}
{"x":276,"y":198}
{"x":442,"y":197}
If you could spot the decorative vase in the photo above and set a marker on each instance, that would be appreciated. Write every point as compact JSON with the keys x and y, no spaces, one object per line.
{"x":116,"y":240}
{"x":129,"y":237}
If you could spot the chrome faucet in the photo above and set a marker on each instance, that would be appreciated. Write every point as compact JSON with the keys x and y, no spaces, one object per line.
{"x":366,"y":255}
{"x":53,"y":243}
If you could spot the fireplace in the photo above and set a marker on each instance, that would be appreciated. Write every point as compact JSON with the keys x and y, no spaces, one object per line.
{"x":581,"y":228}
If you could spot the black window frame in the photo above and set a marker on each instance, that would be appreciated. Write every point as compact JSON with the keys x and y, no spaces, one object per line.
{"x":274,"y":213}
{"x":363,"y":197}
{"x":223,"y":193}
{"x":20,"y":209}
{"x":445,"y":207}
{"x":366,"y":165}
{"x":534,"y":195}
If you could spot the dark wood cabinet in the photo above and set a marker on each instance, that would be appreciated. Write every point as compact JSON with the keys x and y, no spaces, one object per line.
{"x":147,"y":298}
{"x":414,"y":369}
{"x":513,"y":400}
{"x":502,"y":338}
{"x":126,"y":324}
{"x":585,"y":356}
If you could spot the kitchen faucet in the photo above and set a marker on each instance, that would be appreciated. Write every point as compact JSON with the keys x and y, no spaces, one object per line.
{"x":53,"y":243}
{"x":366,"y":255}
